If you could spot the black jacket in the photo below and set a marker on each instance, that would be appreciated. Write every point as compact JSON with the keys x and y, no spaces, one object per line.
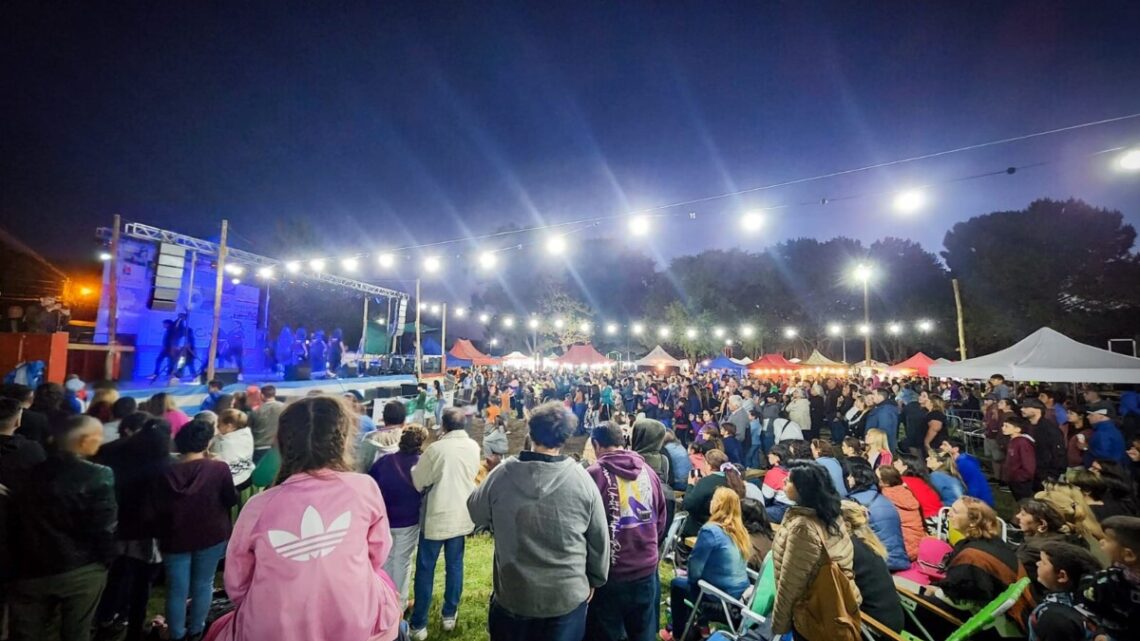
{"x":34,"y":426}
{"x":64,"y":517}
{"x":1050,"y":449}
{"x":18,"y":455}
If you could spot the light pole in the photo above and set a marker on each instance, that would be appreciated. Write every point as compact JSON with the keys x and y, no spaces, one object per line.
{"x":863,"y":273}
{"x":835,"y":329}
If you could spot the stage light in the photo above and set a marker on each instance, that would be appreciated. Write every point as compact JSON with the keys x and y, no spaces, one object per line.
{"x":718,"y":332}
{"x":484,"y":318}
{"x":864,"y":329}
{"x":386,"y":260}
{"x":637,"y":329}
{"x":85,"y":291}
{"x":559,"y":323}
{"x":317,"y":265}
{"x":434,"y":309}
{"x":508,"y":322}
{"x":488,"y":260}
{"x":293,"y":266}
{"x":432,"y":264}
{"x":925,"y":326}
{"x":663,"y":332}
{"x":104,"y":256}
{"x":863,"y":272}
{"x":556,"y":245}
{"x":235,"y":269}
{"x":532,"y":323}
{"x":691,"y":333}
{"x":790,"y":332}
{"x":752,"y":222}
{"x":746,"y":331}
{"x":585,"y":327}
{"x":910,"y":201}
{"x":894,"y":329}
{"x":459,"y":312}
{"x":265,"y":272}
{"x":235,"y":281}
{"x":1129,"y":160}
{"x":639,"y":225}
{"x":349,"y":264}
{"x":834,"y":329}
{"x":611,"y":329}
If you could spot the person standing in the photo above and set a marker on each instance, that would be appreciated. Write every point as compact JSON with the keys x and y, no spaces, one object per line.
{"x":884,"y":416}
{"x":1021,"y":458}
{"x":393,"y":475}
{"x":63,"y":537}
{"x":263,"y":422}
{"x":447,"y":471}
{"x":626,"y":606}
{"x":552,"y":543}
{"x":1049,"y":442}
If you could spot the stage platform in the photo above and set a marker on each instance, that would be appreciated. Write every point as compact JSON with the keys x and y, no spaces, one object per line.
{"x":189,"y":396}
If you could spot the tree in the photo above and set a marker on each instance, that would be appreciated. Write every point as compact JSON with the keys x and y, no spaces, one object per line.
{"x":560,"y":307}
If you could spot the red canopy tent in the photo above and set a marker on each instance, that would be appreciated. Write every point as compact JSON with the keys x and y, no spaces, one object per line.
{"x":583,"y":354}
{"x":464,"y":350}
{"x":772,"y":362}
{"x":918,"y":363}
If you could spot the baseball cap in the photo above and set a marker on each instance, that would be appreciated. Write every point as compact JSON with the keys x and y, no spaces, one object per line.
{"x":355,"y":394}
{"x":1032,"y":403}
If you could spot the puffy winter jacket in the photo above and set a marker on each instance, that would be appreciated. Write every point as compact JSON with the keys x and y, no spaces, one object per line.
{"x":910,"y":516}
{"x":887,"y":524}
{"x":798,"y":555}
{"x":885,"y":417}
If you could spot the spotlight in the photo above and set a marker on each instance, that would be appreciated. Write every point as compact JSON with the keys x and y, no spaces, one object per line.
{"x":559,"y":323}
{"x":235,"y":281}
{"x":663,"y":332}
{"x":317,"y":265}
{"x":894,"y":329}
{"x":864,"y":329}
{"x":459,"y":312}
{"x":104,"y":256}
{"x":746,"y":331}
{"x":484,"y":318}
{"x":293,"y":266}
{"x":349,"y":264}
{"x":235,"y":269}
{"x":910,"y":201}
{"x":556,"y":245}
{"x":434,"y":309}
{"x":925,"y":326}
{"x":752,"y":221}
{"x":432,"y":264}
{"x":639,"y":225}
{"x":508,"y":322}
{"x":691,"y":333}
{"x":532,"y":323}
{"x":718,"y":332}
{"x":488,"y":260}
{"x":790,"y":332}
{"x":386,"y":260}
{"x":1129,"y":160}
{"x":834,"y":329}
{"x":611,"y":329}
{"x":265,"y":272}
{"x":637,"y":329}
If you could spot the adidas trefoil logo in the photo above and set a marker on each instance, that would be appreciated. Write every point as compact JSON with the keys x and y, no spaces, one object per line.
{"x":315,"y":541}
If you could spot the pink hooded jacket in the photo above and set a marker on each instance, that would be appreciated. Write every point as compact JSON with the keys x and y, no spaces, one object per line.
{"x":304,"y":564}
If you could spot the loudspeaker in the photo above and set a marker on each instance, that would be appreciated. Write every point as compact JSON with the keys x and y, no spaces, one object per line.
{"x":400,"y":315}
{"x":227,"y":376}
{"x":169,"y":265}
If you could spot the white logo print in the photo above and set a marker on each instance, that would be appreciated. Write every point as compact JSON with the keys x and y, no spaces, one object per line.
{"x":315,"y":541}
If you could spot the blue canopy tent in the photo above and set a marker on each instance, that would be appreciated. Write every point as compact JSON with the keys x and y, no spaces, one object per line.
{"x":723,"y":362}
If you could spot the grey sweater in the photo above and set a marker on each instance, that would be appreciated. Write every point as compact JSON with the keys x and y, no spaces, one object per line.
{"x":551,"y":537}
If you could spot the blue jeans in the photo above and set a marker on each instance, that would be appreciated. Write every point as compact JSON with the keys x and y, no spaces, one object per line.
{"x":426,"y":558}
{"x":838,"y":431}
{"x":752,"y":460}
{"x":505,"y":626}
{"x":190,"y":575}
{"x":625,"y":610}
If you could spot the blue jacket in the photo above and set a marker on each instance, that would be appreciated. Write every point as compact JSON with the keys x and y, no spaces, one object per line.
{"x":835,"y":471}
{"x":976,"y":485}
{"x":886,"y":524}
{"x":885,"y":417}
{"x":949,"y":488}
{"x":733,"y":451}
{"x":716,"y":559}
{"x":679,"y":465}
{"x":1106,"y":442}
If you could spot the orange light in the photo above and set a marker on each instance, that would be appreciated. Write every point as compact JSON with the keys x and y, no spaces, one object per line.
{"x":85,"y":291}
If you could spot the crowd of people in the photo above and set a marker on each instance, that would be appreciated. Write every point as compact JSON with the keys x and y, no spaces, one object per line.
{"x":775,"y":492}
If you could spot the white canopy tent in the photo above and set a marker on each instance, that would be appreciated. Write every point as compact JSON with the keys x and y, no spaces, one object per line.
{"x":659,"y":358}
{"x":742,"y":361}
{"x":1048,"y":356}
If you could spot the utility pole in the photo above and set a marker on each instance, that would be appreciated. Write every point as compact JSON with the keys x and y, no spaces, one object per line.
{"x":866,"y":324}
{"x":961,"y":321}
{"x":219,"y":281}
{"x":112,"y":301}
{"x":443,"y":340}
{"x":419,"y":348}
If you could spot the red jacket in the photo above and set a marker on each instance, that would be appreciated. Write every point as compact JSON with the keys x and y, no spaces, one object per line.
{"x":927,"y":496}
{"x":1021,"y":459}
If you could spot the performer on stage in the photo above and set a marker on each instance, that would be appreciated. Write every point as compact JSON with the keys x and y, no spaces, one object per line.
{"x":165,"y":361}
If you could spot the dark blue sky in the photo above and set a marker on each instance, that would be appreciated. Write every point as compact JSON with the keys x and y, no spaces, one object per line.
{"x":394,"y":123}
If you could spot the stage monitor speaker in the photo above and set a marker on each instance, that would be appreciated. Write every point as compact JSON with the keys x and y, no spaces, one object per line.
{"x":169,"y":265}
{"x":227,"y":376}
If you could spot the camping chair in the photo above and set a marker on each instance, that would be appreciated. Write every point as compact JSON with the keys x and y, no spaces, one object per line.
{"x":990,"y":613}
{"x":673,"y":539}
{"x":730,"y":608}
{"x":874,"y":630}
{"x":928,"y":620}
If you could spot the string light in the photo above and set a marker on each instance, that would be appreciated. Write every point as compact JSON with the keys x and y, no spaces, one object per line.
{"x":556,"y":245}
{"x":432,"y":264}
{"x":434,"y":309}
{"x":746,"y":331}
{"x":104,"y":256}
{"x":639,"y":225}
{"x":691,"y":333}
{"x":532,"y":323}
{"x":611,"y":329}
{"x":925,"y":326}
{"x":484,"y":318}
{"x":558,"y":323}
{"x":864,"y":329}
{"x":752,"y":221}
{"x":386,"y":260}
{"x":508,"y":322}
{"x":834,"y":329}
{"x":265,"y":272}
{"x":790,"y":332}
{"x":894,"y":329}
{"x":663,"y":332}
{"x":235,"y":269}
{"x":910,"y":201}
{"x":317,"y":265}
{"x":488,"y":260}
{"x":584,"y":327}
{"x":718,"y":332}
{"x":349,"y":264}
{"x":293,"y":266}
{"x":637,"y":329}
{"x":460,"y":312}
{"x":1129,"y":160}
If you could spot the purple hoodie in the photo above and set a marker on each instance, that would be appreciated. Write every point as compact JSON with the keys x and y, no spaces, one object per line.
{"x":635,"y":512}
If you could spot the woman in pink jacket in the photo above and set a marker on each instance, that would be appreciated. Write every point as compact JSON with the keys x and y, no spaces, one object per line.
{"x":305,"y":559}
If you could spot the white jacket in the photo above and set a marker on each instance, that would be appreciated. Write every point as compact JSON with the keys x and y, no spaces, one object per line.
{"x":448,"y":467}
{"x":236,"y":449}
{"x":799,"y":412}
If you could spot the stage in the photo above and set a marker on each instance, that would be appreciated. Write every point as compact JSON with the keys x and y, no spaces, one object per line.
{"x":189,"y":396}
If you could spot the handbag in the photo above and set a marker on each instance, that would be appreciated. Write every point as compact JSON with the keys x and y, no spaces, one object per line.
{"x":829,"y":611}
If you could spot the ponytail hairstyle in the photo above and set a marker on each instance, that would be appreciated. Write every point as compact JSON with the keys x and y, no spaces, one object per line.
{"x":735,"y":481}
{"x":1045,"y":514}
{"x":312,"y":436}
{"x":1069,"y":502}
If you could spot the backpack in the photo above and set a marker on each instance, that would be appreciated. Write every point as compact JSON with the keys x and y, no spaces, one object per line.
{"x":829,"y":610}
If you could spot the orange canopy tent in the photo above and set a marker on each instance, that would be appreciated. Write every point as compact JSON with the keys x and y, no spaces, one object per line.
{"x":918,"y":363}
{"x":583,"y":354}
{"x":463,"y":350}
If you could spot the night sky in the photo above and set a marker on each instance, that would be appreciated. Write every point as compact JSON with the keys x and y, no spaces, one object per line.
{"x":399,"y":123}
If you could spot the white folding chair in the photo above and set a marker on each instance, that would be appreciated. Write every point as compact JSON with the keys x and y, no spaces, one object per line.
{"x":738,"y":615}
{"x":672,"y":538}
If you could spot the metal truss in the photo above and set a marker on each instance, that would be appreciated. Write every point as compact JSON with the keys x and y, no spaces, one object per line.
{"x":207,"y":248}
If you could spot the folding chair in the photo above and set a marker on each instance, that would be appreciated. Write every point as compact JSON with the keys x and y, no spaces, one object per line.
{"x":929,"y":621}
{"x":672,"y":539}
{"x":730,"y":607}
{"x":989,"y":615}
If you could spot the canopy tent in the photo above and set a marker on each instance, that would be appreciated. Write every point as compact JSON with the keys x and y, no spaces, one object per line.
{"x":1048,"y":356}
{"x":943,"y":361}
{"x":464,"y":354}
{"x":723,"y":362}
{"x":658,"y":358}
{"x":518,"y":359}
{"x":583,"y":354}
{"x":819,"y":360}
{"x":772,"y":363}
{"x":742,"y":361}
{"x":872,"y":364}
{"x":918,"y":363}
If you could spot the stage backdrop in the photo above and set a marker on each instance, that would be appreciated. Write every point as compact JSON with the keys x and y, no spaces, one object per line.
{"x":240,"y":319}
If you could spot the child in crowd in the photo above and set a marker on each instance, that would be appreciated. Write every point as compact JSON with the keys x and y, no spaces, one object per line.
{"x":1111,"y":596}
{"x":1020,"y":457}
{"x":697,"y":459}
{"x":730,"y":445}
{"x":1059,"y":572}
